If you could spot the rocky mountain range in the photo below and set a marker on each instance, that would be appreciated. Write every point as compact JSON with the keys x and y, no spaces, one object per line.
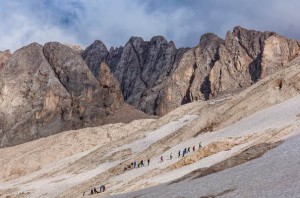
{"x":52,"y":88}
{"x":156,"y":77}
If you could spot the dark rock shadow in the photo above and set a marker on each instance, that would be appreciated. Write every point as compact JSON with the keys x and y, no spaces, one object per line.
{"x":255,"y":68}
{"x":205,"y":88}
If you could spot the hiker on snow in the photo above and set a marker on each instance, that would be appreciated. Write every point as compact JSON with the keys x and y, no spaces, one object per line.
{"x":162,"y":159}
{"x":188,"y":149}
{"x":134,"y":164}
{"x":102,"y":188}
{"x":194,"y":148}
{"x":200,"y":146}
{"x":148,"y":162}
{"x":171,"y":156}
{"x":178,"y":154}
{"x":95,"y":191}
{"x":142,"y":162}
{"x":184,"y":152}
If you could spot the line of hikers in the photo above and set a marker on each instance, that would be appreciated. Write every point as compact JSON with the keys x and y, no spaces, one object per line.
{"x":136,"y":164}
{"x":184,"y":152}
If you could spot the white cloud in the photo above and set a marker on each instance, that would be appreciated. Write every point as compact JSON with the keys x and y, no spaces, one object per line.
{"x":115,"y":21}
{"x":20,"y":27}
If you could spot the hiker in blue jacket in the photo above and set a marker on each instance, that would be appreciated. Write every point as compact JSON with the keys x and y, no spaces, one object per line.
{"x":184,"y":152}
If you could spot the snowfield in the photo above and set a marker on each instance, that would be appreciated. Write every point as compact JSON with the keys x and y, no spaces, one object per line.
{"x":275,"y":174}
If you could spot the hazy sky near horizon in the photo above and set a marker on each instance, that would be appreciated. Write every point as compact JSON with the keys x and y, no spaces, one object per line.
{"x":115,"y":21}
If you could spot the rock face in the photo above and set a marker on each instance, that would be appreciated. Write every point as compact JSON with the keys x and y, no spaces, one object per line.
{"x":189,"y":81}
{"x":46,"y":90}
{"x":76,"y":48}
{"x":94,"y":55}
{"x":4,"y":56}
{"x":141,"y":67}
{"x":110,"y":87}
{"x":278,"y":51}
{"x":156,"y":77}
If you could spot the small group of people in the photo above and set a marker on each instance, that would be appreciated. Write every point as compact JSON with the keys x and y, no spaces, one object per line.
{"x":136,"y":164}
{"x":184,"y":152}
{"x":188,"y":149}
{"x":95,"y":191}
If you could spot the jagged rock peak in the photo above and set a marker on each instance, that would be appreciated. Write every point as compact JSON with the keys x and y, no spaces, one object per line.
{"x":251,"y":41}
{"x":71,"y":69}
{"x":94,"y":55}
{"x":31,"y":45}
{"x":171,"y":43}
{"x":135,"y":40}
{"x":238,"y":30}
{"x":209,"y":39}
{"x":159,"y":40}
{"x":99,"y":45}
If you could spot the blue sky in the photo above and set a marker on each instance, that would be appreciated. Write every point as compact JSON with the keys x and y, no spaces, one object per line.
{"x":115,"y":21}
